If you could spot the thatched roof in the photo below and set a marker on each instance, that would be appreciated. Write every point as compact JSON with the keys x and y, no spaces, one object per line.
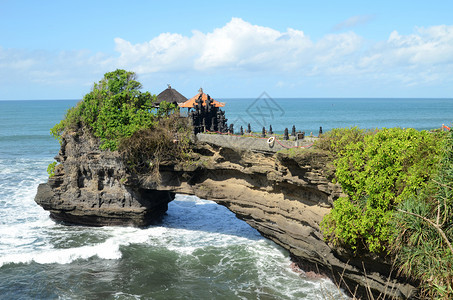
{"x":191,"y":102}
{"x":170,"y":95}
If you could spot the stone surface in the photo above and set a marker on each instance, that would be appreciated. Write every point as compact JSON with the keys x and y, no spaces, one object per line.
{"x":283,"y":195}
{"x":256,"y":143}
{"x":88,"y":188}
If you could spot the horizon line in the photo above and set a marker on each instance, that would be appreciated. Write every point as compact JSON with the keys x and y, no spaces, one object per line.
{"x":238,"y":98}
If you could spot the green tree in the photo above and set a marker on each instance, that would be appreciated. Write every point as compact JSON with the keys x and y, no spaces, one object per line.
{"x":115,"y":108}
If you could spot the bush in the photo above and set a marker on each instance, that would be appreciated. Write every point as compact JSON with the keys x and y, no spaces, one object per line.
{"x":337,"y":139}
{"x":114,"y":109}
{"x":377,"y":171}
{"x":423,"y":227}
{"x":51,"y":169}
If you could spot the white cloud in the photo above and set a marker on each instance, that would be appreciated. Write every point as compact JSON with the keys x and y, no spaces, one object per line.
{"x":49,"y":75}
{"x":334,"y":48}
{"x":237,"y":45}
{"x":424,"y":57}
{"x":242,"y":51}
{"x":246,"y":49}
{"x":433,"y":45}
{"x":166,"y":52}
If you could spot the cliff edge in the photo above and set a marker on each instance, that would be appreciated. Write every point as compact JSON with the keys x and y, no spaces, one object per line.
{"x":88,"y":189}
{"x":284,"y":195}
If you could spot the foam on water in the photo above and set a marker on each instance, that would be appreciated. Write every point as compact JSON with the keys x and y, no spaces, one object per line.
{"x":41,"y":240}
{"x":204,"y":245}
{"x":196,"y":230}
{"x":201,"y":233}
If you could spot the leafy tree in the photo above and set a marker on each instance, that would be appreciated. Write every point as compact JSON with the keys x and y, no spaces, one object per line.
{"x":125,"y":119}
{"x":115,"y":108}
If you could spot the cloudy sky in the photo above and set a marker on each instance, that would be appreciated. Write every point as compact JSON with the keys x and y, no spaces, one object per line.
{"x":58,"y":49}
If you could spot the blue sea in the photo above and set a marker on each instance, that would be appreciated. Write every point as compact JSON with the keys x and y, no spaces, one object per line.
{"x":200,"y":251}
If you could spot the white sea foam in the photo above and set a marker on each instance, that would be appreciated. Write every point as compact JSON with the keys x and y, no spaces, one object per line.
{"x":46,"y":253}
{"x":191,"y":224}
{"x":191,"y":228}
{"x":275,"y":273}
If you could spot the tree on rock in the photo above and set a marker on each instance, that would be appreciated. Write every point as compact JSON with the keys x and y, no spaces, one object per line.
{"x":115,"y":108}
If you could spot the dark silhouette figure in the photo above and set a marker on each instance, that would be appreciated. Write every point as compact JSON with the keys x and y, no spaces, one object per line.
{"x":285,"y":135}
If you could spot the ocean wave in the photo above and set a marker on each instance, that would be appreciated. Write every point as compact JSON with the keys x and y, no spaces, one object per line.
{"x":191,"y":224}
{"x":109,"y":249}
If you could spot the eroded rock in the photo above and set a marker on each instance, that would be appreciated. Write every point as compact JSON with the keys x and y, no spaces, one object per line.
{"x":89,"y":188}
{"x":283,"y":195}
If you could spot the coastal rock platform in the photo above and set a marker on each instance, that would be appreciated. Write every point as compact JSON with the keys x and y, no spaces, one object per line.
{"x":284,"y":195}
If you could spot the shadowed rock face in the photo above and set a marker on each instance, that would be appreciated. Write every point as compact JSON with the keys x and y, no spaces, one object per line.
{"x":87,"y":188}
{"x":283,"y":196}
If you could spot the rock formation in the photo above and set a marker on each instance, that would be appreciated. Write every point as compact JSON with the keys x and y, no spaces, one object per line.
{"x":283,"y":195}
{"x":88,"y":188}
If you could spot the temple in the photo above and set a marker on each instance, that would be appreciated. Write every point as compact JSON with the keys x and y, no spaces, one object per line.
{"x":206,"y":114}
{"x":170,"y":95}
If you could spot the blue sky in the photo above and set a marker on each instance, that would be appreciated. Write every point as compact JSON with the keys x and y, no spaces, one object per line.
{"x":58,"y":49}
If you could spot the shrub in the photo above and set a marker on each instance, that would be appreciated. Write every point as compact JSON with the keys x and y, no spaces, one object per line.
{"x":376,"y":171}
{"x":337,"y":139}
{"x":168,"y":140}
{"x":145,"y":149}
{"x":114,"y":109}
{"x":51,"y":169}
{"x":423,"y":228}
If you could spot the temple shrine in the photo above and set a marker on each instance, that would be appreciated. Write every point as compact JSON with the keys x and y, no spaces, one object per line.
{"x":205,"y":113}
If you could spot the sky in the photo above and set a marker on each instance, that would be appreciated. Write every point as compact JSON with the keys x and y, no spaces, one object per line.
{"x":232,"y":49}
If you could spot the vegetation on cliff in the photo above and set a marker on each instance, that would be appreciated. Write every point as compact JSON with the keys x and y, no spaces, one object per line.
{"x":424,"y":228}
{"x":123,"y":118}
{"x":398,"y":184}
{"x":114,"y":109}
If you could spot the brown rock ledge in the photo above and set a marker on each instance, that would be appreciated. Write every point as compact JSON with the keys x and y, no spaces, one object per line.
{"x":284,"y":196}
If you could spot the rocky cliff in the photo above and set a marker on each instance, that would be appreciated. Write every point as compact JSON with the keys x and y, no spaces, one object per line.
{"x":88,"y":188}
{"x":283,"y":195}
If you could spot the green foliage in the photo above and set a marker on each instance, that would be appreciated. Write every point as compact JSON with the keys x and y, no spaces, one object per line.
{"x":166,"y":108}
{"x":337,"y":139}
{"x":423,"y":253}
{"x":114,"y":109}
{"x":51,"y":169}
{"x":376,"y":170}
{"x":69,"y":122}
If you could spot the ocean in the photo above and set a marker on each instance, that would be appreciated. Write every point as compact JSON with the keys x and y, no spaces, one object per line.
{"x":199,"y":251}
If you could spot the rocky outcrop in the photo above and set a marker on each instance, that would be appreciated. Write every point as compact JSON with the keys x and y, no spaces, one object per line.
{"x":88,"y":188}
{"x":283,"y":195}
